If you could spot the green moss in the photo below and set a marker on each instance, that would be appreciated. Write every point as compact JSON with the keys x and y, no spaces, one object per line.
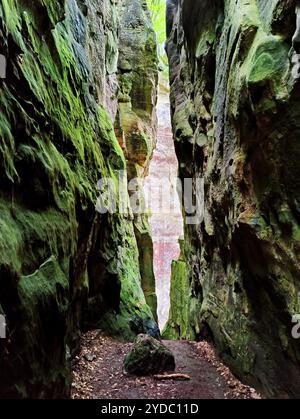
{"x":267,"y":59}
{"x":11,"y":15}
{"x":123,"y":260}
{"x":45,"y":306}
{"x":56,"y":142}
{"x":205,"y":41}
{"x":116,"y":156}
{"x":41,"y":286}
{"x":7,"y":147}
{"x":179,"y":325}
{"x":181,"y":118}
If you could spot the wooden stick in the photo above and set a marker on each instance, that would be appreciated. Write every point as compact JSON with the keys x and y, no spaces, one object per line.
{"x":179,"y":377}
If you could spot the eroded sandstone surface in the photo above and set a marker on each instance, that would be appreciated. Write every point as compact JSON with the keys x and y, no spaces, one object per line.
{"x":236,"y":120}
{"x":63,"y":266}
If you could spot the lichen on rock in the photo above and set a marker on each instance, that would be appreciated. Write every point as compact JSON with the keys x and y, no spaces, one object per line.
{"x":136,"y":124}
{"x":235,"y":109}
{"x":63,"y":266}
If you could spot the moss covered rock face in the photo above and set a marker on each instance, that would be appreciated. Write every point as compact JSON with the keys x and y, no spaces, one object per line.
{"x":136,"y":124}
{"x":236,"y":118}
{"x":148,"y":356}
{"x":63,"y":266}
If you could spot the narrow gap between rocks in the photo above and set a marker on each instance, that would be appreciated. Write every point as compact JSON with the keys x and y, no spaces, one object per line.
{"x":83,"y":262}
{"x":163,"y":204}
{"x":98,"y":370}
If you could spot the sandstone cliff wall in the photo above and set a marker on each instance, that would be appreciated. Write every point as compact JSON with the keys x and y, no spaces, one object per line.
{"x":236,"y":119}
{"x":64,"y":267}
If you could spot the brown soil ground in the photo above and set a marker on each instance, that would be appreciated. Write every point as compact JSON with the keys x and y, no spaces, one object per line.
{"x":98,"y":373}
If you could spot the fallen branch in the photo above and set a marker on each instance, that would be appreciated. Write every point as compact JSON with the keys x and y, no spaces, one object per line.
{"x":179,"y":377}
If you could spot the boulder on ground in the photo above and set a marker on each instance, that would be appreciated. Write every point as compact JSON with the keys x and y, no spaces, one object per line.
{"x":148,"y":356}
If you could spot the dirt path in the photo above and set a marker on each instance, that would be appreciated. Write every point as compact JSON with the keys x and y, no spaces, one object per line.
{"x":98,"y":374}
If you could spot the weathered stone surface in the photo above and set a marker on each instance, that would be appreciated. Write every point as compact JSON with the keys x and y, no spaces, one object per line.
{"x":62,"y":265}
{"x":236,"y":114}
{"x":147,"y":326}
{"x":183,"y":306}
{"x":136,"y":118}
{"x":148,"y":356}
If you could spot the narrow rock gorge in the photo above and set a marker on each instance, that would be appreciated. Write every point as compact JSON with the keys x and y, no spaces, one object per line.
{"x":86,"y":113}
{"x":236,"y":120}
